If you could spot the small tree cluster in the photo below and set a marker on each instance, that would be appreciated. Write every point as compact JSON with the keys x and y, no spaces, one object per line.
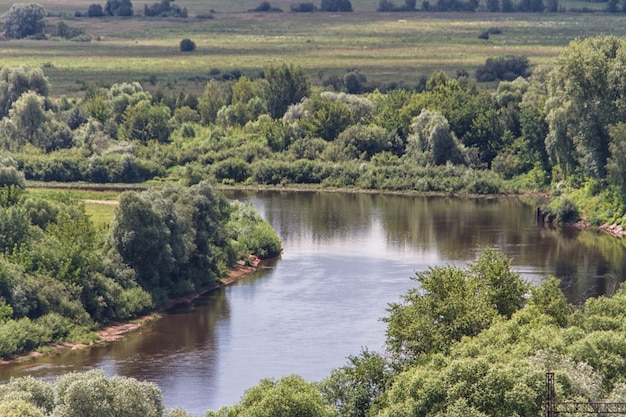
{"x":165,"y":8}
{"x":305,"y":7}
{"x":95,"y":10}
{"x":24,"y":20}
{"x":119,"y":7}
{"x":265,"y":6}
{"x":505,"y":68}
{"x":336,"y":6}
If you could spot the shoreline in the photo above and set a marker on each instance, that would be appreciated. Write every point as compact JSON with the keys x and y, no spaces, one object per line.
{"x":117,"y":331}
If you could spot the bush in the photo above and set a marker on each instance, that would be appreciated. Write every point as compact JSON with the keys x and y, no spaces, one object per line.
{"x":265,"y":6}
{"x":505,"y":68}
{"x":119,"y":7}
{"x":23,"y":20}
{"x":187,"y":45}
{"x":336,"y":6}
{"x":303,"y":7}
{"x":95,"y":10}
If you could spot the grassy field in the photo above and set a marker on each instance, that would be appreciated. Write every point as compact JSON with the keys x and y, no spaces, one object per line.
{"x":99,"y":205}
{"x":385,"y":47}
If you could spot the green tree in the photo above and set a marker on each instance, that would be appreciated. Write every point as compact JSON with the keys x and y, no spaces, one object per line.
{"x":187,"y":45}
{"x":24,"y":19}
{"x":451,"y":303}
{"x":357,"y":389}
{"x":16,"y":81}
{"x":119,"y":7}
{"x":287,"y":85}
{"x":290,"y":396}
{"x":616,"y":163}
{"x":94,"y":394}
{"x":145,"y":122}
{"x":586,"y":95}
{"x":211,"y":102}
{"x":433,"y":138}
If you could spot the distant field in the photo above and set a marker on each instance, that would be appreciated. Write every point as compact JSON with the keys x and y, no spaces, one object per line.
{"x":385,"y":47}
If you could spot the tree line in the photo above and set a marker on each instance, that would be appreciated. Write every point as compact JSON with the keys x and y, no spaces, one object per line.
{"x":559,"y":128}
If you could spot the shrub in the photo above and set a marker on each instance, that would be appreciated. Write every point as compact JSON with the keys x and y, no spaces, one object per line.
{"x":95,"y":10}
{"x":265,"y":6}
{"x":335,"y":6}
{"x":23,"y":20}
{"x":119,"y":7}
{"x":505,"y":68}
{"x":187,"y":45}
{"x":303,"y":7}
{"x":235,"y":169}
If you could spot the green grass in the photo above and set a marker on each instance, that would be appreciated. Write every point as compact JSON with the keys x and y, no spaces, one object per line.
{"x":99,"y":205}
{"x":385,"y":47}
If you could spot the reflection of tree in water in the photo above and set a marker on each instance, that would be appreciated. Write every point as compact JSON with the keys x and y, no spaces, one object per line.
{"x":317,"y":215}
{"x":455,"y":227}
{"x":588,"y":263}
{"x":188,"y":329}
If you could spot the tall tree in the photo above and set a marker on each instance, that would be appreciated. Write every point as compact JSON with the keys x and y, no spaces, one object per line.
{"x":587,"y":95}
{"x":24,"y":20}
{"x":287,"y":85}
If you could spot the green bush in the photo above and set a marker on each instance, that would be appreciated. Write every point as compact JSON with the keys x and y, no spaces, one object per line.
{"x":187,"y":45}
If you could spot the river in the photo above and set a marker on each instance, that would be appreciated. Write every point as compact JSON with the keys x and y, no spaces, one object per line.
{"x":346,"y":256}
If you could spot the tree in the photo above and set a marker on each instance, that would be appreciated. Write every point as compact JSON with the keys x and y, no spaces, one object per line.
{"x":211,"y":102}
{"x":357,"y":389}
{"x":95,"y":10}
{"x":616,"y":163}
{"x":432,"y":137}
{"x":93,"y":393}
{"x":290,"y":396}
{"x":287,"y":85}
{"x":335,"y":6}
{"x":28,"y":116}
{"x":187,"y":45}
{"x":145,"y":122}
{"x":15,"y":81}
{"x":451,"y":303}
{"x":119,"y":7}
{"x":586,"y":95}
{"x":24,"y":20}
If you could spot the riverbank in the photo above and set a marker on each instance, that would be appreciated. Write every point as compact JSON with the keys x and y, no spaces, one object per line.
{"x":115,"y":332}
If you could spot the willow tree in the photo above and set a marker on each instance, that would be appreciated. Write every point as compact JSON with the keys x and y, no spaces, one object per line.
{"x":587,"y":94}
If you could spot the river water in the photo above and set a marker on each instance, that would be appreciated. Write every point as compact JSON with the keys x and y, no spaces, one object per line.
{"x":346,"y":256}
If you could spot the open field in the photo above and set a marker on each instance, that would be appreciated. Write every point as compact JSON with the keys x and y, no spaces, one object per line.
{"x":386,"y":47}
{"x":99,"y":205}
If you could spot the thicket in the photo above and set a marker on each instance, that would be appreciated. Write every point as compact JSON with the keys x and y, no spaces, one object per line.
{"x":60,"y":278}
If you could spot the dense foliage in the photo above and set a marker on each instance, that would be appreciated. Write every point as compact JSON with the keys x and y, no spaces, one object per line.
{"x":24,"y":20}
{"x":60,"y":278}
{"x":560,"y":127}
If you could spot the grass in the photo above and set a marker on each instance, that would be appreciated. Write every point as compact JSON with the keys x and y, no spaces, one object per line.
{"x":398,"y":47}
{"x":99,"y":205}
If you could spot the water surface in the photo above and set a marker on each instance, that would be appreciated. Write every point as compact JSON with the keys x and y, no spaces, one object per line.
{"x":346,"y":256}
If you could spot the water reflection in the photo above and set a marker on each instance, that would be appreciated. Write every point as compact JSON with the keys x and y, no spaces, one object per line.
{"x":346,"y":257}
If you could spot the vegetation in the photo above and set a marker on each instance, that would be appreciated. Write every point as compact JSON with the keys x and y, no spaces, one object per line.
{"x":467,"y":342}
{"x":24,"y":20}
{"x":61,"y":278}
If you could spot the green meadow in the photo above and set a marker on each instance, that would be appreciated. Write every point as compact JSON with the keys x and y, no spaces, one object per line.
{"x":385,"y":47}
